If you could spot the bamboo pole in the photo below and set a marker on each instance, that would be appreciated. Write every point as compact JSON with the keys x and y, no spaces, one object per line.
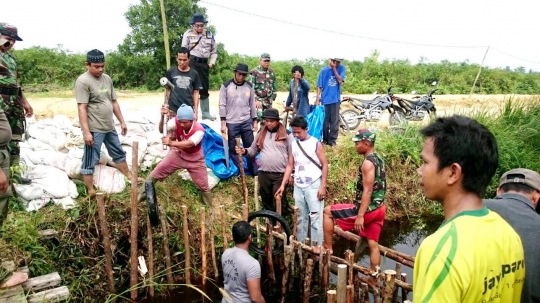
{"x":243,"y":176}
{"x":350,"y":294}
{"x":150,"y":257}
{"x":223,"y":226}
{"x":106,"y":241}
{"x":213,"y":252}
{"x":342,"y":283}
{"x":186,"y":244}
{"x":269,"y":255}
{"x":331,"y":296}
{"x":398,"y":277}
{"x":203,"y":245}
{"x":166,"y":250}
{"x":286,"y":272}
{"x":479,"y":71}
{"x":295,"y":222}
{"x":134,"y":221}
{"x":307,"y":281}
{"x":385,"y":251}
{"x":245,"y":211}
{"x":165,"y":34}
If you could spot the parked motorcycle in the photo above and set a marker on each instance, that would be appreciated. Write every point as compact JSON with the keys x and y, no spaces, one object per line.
{"x":367,"y":110}
{"x":414,"y":110}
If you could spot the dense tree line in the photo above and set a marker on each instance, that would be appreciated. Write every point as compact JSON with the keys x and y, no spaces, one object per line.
{"x":139,"y":62}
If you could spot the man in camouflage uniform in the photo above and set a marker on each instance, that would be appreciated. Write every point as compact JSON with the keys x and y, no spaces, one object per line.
{"x":203,"y":54}
{"x":366,"y":214}
{"x":13,"y":102}
{"x":264,"y":84}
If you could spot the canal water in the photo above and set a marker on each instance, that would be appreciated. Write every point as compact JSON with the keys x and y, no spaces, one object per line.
{"x":404,"y":236}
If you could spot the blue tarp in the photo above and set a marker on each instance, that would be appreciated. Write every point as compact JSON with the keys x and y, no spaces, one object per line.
{"x":315,"y":120}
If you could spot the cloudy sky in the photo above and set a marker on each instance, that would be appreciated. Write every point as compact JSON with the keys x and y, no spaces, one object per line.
{"x":436,"y":30}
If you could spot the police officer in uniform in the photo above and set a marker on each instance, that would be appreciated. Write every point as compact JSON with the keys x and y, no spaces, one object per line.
{"x":203,"y":54}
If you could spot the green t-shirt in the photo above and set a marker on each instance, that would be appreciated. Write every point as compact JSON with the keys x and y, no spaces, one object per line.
{"x":98,"y":93}
{"x":474,"y":257}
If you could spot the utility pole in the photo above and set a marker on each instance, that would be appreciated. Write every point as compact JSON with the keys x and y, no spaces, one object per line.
{"x":165,"y":35}
{"x":479,"y":71}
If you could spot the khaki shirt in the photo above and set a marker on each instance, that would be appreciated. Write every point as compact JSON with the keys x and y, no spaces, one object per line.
{"x":99,"y":94}
{"x":206,"y":48}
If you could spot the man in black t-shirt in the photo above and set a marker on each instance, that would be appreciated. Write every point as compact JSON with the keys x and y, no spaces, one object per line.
{"x":186,"y":81}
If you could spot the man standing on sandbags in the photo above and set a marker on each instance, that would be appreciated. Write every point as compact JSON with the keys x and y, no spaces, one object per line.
{"x":13,"y":102}
{"x":186,"y":151}
{"x":96,"y":104}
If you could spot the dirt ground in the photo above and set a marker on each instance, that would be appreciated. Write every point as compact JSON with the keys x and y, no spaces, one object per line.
{"x":445,"y":104}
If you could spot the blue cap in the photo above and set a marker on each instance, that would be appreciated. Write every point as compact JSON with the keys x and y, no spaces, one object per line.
{"x":185,"y":112}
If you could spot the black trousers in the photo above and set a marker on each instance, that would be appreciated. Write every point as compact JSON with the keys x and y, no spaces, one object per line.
{"x":202,"y":69}
{"x":331,"y":123}
{"x":269,"y":183}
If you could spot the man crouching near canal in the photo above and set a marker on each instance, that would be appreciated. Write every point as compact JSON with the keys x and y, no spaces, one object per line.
{"x":366,"y":215}
{"x":241,"y":272}
{"x":474,"y":256}
{"x":186,"y":151}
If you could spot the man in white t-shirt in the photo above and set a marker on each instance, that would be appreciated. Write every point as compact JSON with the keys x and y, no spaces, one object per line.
{"x":241,"y":272}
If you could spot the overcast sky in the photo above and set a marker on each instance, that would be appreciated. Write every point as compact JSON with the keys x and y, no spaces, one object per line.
{"x":459,"y":29}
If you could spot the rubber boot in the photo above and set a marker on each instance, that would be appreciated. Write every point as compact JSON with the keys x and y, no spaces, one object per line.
{"x":207,"y":198}
{"x":142,"y":190}
{"x":205,"y":108}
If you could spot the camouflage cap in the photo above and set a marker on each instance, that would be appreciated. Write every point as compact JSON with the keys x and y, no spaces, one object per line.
{"x":9,"y":30}
{"x":364,"y":134}
{"x":265,"y":56}
{"x":521,"y":175}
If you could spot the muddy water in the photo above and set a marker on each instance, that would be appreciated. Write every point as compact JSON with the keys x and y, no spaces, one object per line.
{"x":403,"y":236}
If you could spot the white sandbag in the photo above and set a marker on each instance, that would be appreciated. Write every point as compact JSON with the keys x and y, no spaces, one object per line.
{"x":109,"y":179}
{"x":76,"y":122}
{"x":73,"y":168}
{"x":157,"y":151}
{"x":213,"y":180}
{"x":151,"y":113}
{"x":63,"y":123}
{"x":129,"y":155}
{"x":48,"y":134}
{"x":65,"y":202}
{"x":78,"y":152}
{"x":28,"y":192}
{"x":135,"y":117}
{"x":51,"y":179}
{"x":33,"y":205}
{"x":73,"y":193}
{"x":153,"y":137}
{"x":24,"y":158}
{"x":38,"y":145}
{"x":48,"y":157}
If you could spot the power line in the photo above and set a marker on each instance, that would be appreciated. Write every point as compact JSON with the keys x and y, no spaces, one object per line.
{"x":339,"y":33}
{"x":515,"y":57}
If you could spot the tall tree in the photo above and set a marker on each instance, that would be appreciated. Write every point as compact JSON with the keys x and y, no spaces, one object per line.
{"x":146,"y":37}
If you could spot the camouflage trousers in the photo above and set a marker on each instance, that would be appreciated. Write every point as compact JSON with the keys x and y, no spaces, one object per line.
{"x":265,"y":106}
{"x":12,"y":106}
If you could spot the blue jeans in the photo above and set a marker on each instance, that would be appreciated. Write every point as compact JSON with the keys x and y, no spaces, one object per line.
{"x":91,"y":153}
{"x":310,"y":208}
{"x":243,"y":130}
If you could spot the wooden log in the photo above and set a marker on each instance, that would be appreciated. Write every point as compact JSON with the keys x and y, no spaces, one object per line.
{"x":42,"y":282}
{"x":58,"y":294}
{"x":134,"y":222}
{"x":404,"y":292}
{"x":107,"y":242}
{"x":243,"y":176}
{"x":349,"y":256}
{"x":331,"y":296}
{"x":245,"y":211}
{"x":356,"y":288}
{"x":385,"y":251}
{"x":187,"y":252}
{"x":269,"y":256}
{"x":326,"y":270}
{"x":389,"y":286}
{"x":150,"y":237}
{"x":365,"y":293}
{"x":213,"y":252}
{"x":257,"y":207}
{"x":286,"y":272}
{"x":166,"y":250}
{"x":278,"y":209}
{"x":13,"y":294}
{"x":350,"y":294}
{"x":307,"y":281}
{"x":301,"y":264}
{"x":341,"y":283}
{"x":398,"y":277}
{"x":295,"y":222}
{"x":203,"y":245}
{"x":293,"y":262}
{"x":223,"y":227}
{"x":47,"y":233}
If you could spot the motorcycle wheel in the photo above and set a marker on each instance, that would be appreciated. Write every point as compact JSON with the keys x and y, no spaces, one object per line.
{"x":351,"y":118}
{"x":278,"y":248}
{"x":398,"y":117}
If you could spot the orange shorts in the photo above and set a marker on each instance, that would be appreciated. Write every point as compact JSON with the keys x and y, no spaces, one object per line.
{"x":345,"y":215}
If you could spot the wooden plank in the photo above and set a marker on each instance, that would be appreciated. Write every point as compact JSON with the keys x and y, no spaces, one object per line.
{"x":42,"y":282}
{"x":58,"y":294}
{"x":47,"y":233}
{"x":12,"y":295}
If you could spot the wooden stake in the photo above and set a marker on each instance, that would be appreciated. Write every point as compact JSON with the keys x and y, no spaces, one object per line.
{"x":404,"y":292}
{"x":342,"y":283}
{"x":293,"y":261}
{"x":203,"y":245}
{"x":295,"y":222}
{"x":286,"y":272}
{"x":134,"y":221}
{"x":150,"y":257}
{"x":257,"y":207}
{"x":106,"y":241}
{"x":326,"y":270}
{"x":243,"y":176}
{"x":166,"y":250}
{"x":278,"y":209}
{"x":331,"y":296}
{"x":223,"y":226}
{"x":213,"y":252}
{"x":186,"y":244}
{"x":350,"y":294}
{"x":301,"y":266}
{"x":365,"y":293}
{"x":398,"y":277}
{"x":349,"y":256}
{"x":307,"y":281}
{"x":356,"y":288}
{"x":269,"y":255}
